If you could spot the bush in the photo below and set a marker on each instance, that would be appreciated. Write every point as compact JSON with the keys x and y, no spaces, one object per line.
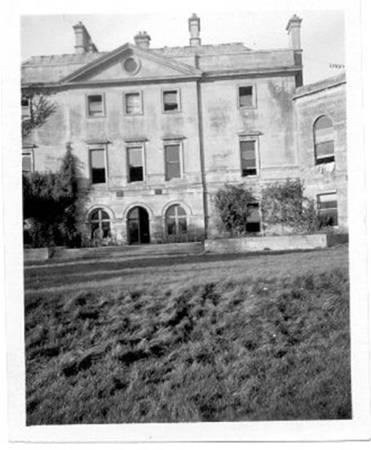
{"x":53,"y":205}
{"x":234,"y":205}
{"x":285,"y":204}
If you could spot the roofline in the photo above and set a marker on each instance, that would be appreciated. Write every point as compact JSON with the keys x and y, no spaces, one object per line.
{"x":321,"y":85}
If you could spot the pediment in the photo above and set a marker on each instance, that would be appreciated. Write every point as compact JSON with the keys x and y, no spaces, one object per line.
{"x":130,"y":63}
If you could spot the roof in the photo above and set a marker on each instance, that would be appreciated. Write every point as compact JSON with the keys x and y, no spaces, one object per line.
{"x":318,"y":86}
{"x":235,"y":55}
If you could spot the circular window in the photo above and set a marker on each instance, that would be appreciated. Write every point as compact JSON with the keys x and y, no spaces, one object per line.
{"x":131,"y":65}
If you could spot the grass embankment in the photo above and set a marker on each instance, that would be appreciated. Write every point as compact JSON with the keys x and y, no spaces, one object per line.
{"x":247,"y":348}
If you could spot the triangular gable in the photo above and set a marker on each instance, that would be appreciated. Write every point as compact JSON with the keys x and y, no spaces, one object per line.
{"x":109,"y":67}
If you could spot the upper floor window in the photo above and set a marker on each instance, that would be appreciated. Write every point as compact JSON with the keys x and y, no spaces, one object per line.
{"x":98,"y":165}
{"x":135,"y":158}
{"x":26,"y":107}
{"x":327,"y":209}
{"x":246,"y":97}
{"x":172,"y":161}
{"x":171,"y":100}
{"x":133,"y":103}
{"x":249,"y":165}
{"x":27,"y":161}
{"x":95,"y":105}
{"x":324,"y":147}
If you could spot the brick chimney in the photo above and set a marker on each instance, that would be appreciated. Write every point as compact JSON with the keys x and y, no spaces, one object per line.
{"x":194,"y":27}
{"x":142,"y":39}
{"x":293,"y":30}
{"x":83,"y":41}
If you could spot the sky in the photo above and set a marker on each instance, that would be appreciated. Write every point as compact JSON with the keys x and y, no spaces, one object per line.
{"x":322,"y":33}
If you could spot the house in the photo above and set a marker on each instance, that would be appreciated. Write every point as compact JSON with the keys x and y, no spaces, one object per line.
{"x":159,"y":130}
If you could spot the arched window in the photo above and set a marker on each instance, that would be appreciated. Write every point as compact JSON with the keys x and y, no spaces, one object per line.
{"x":100,"y":224}
{"x":176,"y":221}
{"x":323,"y":132}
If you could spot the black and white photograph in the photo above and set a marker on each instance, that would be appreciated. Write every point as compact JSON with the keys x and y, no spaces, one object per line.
{"x":185,"y":220}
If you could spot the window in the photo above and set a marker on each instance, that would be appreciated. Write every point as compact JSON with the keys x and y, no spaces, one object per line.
{"x":133,"y":103}
{"x":248,"y":158}
{"x":323,"y":132}
{"x":172,"y":161}
{"x":246,"y":96}
{"x":253,"y":220}
{"x":98,"y":166}
{"x":135,"y":164}
{"x":171,"y":100}
{"x":27,"y":162}
{"x":327,"y":209}
{"x":95,"y":105}
{"x":25,"y":105}
{"x":131,"y":65}
{"x":176,"y":221}
{"x":100,"y":224}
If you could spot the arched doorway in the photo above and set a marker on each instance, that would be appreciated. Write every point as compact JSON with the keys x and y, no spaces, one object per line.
{"x":138,"y":226}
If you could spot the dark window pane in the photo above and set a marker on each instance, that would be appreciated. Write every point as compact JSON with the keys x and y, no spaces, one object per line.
{"x":245,"y":96}
{"x":182,"y":225}
{"x":130,"y":65}
{"x":248,"y":158}
{"x":325,"y":150}
{"x":94,"y":215}
{"x":170,"y":100}
{"x":98,"y":175}
{"x":327,"y":210}
{"x":104,"y":215}
{"x":171,"y":226}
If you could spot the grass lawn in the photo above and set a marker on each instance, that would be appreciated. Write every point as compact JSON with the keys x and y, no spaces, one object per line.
{"x":198,"y":338}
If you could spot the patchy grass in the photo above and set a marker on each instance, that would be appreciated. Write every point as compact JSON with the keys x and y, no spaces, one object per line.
{"x":236,"y":348}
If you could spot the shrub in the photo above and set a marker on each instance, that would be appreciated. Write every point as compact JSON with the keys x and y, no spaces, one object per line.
{"x":53,"y":205}
{"x":234,"y":205}
{"x":285,"y":204}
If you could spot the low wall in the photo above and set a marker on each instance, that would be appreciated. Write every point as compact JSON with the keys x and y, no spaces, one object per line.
{"x":35,"y":254}
{"x":272,"y":243}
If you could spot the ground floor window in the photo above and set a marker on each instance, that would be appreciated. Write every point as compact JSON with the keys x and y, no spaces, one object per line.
{"x":176,"y":221}
{"x":253,"y":220}
{"x":100,"y":224}
{"x":327,"y":208}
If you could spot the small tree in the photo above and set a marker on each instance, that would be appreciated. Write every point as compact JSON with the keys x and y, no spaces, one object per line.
{"x":41,"y":108}
{"x":53,"y":203}
{"x":234,"y":205}
{"x":285,"y":204}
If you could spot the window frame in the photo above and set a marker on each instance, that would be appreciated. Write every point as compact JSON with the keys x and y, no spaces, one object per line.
{"x":128,"y":146}
{"x":98,"y":116}
{"x":327,"y":158}
{"x":179,"y":143}
{"x":99,"y":221}
{"x":254,"y":139}
{"x":26,"y":108}
{"x":257,"y":205}
{"x":177,"y":217}
{"x":324,"y":209}
{"x":254,"y":96}
{"x":28,"y":152}
{"x":104,"y":149}
{"x":178,"y":91}
{"x":125,"y":93}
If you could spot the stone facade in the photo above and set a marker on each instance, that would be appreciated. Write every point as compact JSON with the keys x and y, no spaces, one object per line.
{"x":159,"y":131}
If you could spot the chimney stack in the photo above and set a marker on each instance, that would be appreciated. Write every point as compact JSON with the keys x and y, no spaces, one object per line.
{"x":194,"y":27}
{"x":293,"y":30}
{"x":142,"y":39}
{"x":83,"y":41}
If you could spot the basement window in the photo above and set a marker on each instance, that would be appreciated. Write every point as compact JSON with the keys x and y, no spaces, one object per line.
{"x":171,"y":101}
{"x":95,"y":105}
{"x":253,"y":220}
{"x":246,"y":97}
{"x":327,"y":209}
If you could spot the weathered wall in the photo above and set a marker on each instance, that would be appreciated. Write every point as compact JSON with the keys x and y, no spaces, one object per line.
{"x":223,"y":122}
{"x":323,"y":98}
{"x":71,"y":124}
